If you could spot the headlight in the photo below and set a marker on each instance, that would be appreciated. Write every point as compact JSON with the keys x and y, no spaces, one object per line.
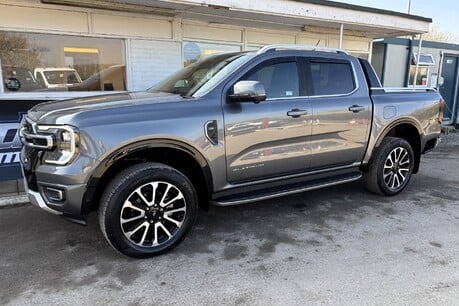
{"x":65,"y":143}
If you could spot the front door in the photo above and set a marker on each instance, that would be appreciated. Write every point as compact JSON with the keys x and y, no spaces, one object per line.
{"x":448,"y":89}
{"x":271,"y":138}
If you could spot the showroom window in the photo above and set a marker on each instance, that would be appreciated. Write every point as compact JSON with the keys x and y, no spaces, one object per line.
{"x":55,"y":63}
{"x":194,"y":51}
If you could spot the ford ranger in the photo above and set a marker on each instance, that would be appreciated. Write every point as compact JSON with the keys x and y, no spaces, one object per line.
{"x":230,"y":129}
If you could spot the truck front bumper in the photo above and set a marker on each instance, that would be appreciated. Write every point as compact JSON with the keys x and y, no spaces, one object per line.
{"x":36,"y":199}
{"x":58,"y":199}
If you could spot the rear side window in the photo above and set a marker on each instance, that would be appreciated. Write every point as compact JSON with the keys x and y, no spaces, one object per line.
{"x":331,"y":78}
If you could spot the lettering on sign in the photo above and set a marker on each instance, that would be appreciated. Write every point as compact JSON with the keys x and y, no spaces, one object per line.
{"x":9,"y":158}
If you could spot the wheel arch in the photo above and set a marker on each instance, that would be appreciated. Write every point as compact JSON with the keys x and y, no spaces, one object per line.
{"x":174,"y":153}
{"x":408,"y":129}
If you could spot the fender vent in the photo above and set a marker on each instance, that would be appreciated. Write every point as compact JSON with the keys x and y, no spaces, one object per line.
{"x":211,"y":131}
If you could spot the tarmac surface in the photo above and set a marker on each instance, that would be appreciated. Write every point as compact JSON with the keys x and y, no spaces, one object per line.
{"x":340,"y":245}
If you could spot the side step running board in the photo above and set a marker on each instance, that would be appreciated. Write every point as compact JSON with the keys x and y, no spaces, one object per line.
{"x":285,"y":190}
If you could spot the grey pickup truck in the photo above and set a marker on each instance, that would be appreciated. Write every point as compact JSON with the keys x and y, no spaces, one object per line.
{"x":230,"y":129}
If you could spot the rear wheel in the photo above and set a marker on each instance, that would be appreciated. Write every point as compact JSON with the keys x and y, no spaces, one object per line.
{"x":147,"y":210}
{"x":391,"y":167}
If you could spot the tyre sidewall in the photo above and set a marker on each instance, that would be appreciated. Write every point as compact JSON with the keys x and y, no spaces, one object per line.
{"x":125,"y":187}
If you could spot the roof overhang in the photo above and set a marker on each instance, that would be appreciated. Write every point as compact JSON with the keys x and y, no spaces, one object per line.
{"x":279,"y":14}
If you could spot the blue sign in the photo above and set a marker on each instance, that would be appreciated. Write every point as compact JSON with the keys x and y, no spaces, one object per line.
{"x":191,"y":51}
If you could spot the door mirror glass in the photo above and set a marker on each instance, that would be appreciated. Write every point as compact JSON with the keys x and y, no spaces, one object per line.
{"x":247,"y":91}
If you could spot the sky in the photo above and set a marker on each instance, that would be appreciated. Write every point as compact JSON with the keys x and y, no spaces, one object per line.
{"x":444,"y":13}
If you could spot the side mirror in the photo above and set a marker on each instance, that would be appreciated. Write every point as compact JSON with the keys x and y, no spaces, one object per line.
{"x":247,"y":91}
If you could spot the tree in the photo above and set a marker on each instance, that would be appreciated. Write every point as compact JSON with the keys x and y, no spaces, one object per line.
{"x":436,"y":35}
{"x":16,"y":51}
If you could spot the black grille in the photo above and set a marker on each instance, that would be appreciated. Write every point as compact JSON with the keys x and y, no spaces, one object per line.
{"x":29,"y":158}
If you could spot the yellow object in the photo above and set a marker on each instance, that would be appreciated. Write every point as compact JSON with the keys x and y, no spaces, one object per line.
{"x":81,"y":50}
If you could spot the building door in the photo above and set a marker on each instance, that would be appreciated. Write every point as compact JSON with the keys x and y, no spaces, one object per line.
{"x":449,"y":88}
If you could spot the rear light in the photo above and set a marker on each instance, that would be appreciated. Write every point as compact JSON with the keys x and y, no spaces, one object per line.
{"x":440,"y":111}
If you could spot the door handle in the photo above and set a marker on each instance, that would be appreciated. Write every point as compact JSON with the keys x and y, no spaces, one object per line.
{"x":356,"y":108}
{"x":297,"y":113}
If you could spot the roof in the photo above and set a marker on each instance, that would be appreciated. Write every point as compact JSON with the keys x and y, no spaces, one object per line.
{"x":303,"y":15}
{"x":425,"y":44}
{"x":365,"y":9}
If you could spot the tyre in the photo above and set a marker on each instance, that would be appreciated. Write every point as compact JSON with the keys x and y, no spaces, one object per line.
{"x":391,"y":167}
{"x":147,"y":210}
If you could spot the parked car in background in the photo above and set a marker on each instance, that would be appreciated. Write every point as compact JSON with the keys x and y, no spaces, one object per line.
{"x":56,"y":78}
{"x":109,"y":79}
{"x":230,"y":129}
{"x":18,"y":79}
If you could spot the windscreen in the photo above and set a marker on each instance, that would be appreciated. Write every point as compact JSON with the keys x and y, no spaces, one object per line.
{"x":202,"y":75}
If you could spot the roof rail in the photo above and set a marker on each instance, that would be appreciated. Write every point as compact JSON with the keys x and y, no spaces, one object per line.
{"x":299,"y":47}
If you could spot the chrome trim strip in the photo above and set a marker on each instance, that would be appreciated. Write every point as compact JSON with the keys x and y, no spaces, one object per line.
{"x":73,"y":142}
{"x":403,"y":89}
{"x":356,"y":88}
{"x":49,"y":140}
{"x":32,"y":124}
{"x":36,"y":199}
{"x":356,"y":164}
{"x":60,"y":194}
{"x":318,"y":186}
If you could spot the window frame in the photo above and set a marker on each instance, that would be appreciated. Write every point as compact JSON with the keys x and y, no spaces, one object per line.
{"x":423,"y":63}
{"x":309,"y":60}
{"x":303,"y":93}
{"x":411,"y":73}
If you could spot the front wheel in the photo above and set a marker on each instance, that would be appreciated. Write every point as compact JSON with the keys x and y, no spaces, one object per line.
{"x":391,"y":167}
{"x":147,"y":210}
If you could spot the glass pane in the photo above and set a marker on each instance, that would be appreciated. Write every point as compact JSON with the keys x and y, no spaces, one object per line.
{"x":201,"y":76}
{"x":46,"y":62}
{"x":194,"y":51}
{"x":331,"y":78}
{"x":424,"y":59}
{"x":422,"y":77}
{"x":280,"y":80}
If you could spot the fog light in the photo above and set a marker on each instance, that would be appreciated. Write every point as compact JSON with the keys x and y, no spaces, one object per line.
{"x":54,"y":194}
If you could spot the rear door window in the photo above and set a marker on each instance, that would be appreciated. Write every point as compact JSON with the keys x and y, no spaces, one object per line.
{"x":331,"y":78}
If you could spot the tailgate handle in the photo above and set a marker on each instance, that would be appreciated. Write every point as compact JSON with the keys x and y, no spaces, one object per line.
{"x":296,"y":113}
{"x":356,"y":108}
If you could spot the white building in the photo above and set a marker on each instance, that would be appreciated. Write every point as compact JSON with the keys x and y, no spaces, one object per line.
{"x":55,"y":49}
{"x":154,"y":38}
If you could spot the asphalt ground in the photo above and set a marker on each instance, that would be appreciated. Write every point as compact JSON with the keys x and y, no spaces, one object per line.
{"x":340,"y":245}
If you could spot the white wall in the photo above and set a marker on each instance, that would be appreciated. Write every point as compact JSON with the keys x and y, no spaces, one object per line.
{"x":151,"y":61}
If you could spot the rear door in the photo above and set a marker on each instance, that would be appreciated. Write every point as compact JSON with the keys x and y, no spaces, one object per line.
{"x":341,"y":113}
{"x":271,"y":138}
